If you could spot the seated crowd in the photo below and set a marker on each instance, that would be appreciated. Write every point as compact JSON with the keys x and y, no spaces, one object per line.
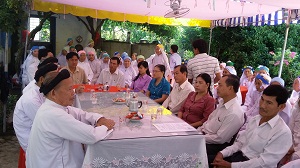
{"x":262,"y":131}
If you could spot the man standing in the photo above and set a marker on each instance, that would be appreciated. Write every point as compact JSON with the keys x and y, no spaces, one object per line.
{"x":175,"y":58}
{"x":30,"y":66}
{"x":77,"y":74}
{"x":226,"y":120}
{"x":160,"y":57}
{"x":180,"y":91}
{"x":203,"y":63}
{"x":59,"y":130}
{"x":266,"y":139}
{"x":112,"y":75}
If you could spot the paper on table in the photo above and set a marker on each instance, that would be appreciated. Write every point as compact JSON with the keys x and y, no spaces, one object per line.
{"x":174,"y":127}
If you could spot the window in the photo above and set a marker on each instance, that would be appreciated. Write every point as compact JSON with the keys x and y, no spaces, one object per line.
{"x":44,"y":34}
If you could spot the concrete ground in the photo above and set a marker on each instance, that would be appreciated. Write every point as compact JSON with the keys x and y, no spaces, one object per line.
{"x":9,"y":151}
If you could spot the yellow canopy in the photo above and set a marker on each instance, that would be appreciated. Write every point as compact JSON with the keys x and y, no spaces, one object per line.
{"x":39,"y":5}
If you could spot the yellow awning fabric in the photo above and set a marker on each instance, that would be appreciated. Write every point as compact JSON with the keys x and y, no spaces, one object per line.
{"x":39,"y":5}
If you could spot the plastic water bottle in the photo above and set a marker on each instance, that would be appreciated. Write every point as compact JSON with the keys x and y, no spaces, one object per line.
{"x":159,"y":112}
{"x":106,"y":87}
{"x":93,"y":96}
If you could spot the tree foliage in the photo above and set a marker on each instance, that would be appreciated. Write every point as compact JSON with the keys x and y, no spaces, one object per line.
{"x":252,"y":46}
{"x":118,"y":30}
{"x":12,"y":14}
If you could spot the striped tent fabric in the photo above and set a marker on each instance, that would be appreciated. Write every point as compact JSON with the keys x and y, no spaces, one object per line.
{"x":275,"y":18}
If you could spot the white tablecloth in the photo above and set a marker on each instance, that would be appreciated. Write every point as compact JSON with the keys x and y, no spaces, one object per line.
{"x":140,"y":144}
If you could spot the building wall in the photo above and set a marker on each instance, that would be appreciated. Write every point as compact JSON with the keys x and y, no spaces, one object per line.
{"x":145,"y":49}
{"x":69,"y":26}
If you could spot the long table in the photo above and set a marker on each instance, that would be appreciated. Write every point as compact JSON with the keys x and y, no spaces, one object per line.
{"x":139,"y":143}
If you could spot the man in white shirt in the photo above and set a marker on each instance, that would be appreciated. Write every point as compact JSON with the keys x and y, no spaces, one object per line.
{"x":83,"y":64}
{"x":226,"y":120}
{"x":266,"y":139}
{"x":28,"y":104}
{"x":175,"y":58}
{"x":180,"y":91}
{"x":203,"y":63}
{"x":95,"y":65}
{"x":59,"y":130}
{"x":112,"y":75}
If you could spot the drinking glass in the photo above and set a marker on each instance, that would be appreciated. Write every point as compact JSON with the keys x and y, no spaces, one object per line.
{"x":159,"y":112}
{"x":153,"y":117}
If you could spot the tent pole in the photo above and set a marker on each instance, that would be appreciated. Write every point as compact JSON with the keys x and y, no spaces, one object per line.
{"x":210,"y":37}
{"x":26,"y":41}
{"x":5,"y":74}
{"x":284,"y":45}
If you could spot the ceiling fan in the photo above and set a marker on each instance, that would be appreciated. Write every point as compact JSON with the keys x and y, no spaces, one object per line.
{"x":176,"y":10}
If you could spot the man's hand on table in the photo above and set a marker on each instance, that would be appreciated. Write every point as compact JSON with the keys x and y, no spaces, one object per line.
{"x":106,"y":122}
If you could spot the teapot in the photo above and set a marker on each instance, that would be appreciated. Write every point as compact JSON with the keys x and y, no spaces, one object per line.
{"x":134,"y":104}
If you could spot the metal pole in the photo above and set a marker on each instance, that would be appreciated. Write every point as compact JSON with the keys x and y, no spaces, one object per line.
{"x":5,"y":74}
{"x":284,"y":45}
{"x":26,"y":42}
{"x":6,"y":54}
{"x":210,"y":37}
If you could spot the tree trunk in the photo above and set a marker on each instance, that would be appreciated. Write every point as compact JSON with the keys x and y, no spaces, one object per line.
{"x":96,"y":33}
{"x":30,"y":38}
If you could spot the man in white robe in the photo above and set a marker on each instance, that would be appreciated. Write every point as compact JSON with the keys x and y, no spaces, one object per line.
{"x":90,"y":47}
{"x":95,"y":65}
{"x":160,"y":57}
{"x":85,"y":66}
{"x":59,"y":130}
{"x":129,"y":72}
{"x":27,"y":106}
{"x":62,"y":61}
{"x":30,"y":66}
{"x":45,"y":62}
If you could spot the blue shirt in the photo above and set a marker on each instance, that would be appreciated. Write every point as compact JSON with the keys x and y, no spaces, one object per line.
{"x":156,"y":92}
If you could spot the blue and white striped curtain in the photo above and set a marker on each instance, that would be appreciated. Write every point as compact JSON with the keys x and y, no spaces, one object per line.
{"x":275,"y":18}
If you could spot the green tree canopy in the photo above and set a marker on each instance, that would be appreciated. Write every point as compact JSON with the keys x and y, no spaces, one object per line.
{"x":12,"y":14}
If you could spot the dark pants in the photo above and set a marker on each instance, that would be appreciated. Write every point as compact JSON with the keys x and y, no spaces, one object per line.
{"x":236,"y":157}
{"x":212,"y":150}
